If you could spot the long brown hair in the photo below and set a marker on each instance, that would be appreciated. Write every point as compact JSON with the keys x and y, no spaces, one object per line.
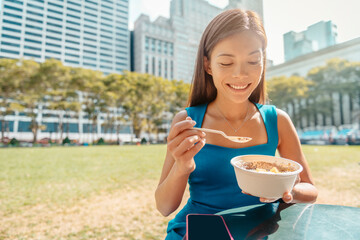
{"x":223,"y":25}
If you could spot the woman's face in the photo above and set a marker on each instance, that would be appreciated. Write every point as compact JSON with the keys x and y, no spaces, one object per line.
{"x":236,"y":65}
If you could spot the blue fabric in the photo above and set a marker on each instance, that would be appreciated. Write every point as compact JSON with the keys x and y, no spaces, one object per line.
{"x":213,"y":185}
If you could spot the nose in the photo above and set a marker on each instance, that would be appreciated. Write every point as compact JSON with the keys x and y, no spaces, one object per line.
{"x":240,"y":71}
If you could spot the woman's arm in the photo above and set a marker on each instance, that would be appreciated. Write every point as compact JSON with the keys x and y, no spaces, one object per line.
{"x":179,"y":163}
{"x":289,"y":147}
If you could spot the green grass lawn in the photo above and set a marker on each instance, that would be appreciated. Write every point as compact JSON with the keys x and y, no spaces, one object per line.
{"x":63,"y":177}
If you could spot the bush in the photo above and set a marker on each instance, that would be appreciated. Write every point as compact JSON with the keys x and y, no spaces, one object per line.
{"x":14,"y":142}
{"x":143,"y":141}
{"x":66,"y":141}
{"x":100,"y":142}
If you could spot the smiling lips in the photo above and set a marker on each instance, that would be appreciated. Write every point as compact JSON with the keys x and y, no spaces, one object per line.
{"x":238,"y":87}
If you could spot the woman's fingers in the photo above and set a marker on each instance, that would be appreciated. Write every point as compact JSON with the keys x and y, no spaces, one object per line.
{"x":179,"y":127}
{"x":185,"y":145}
{"x":195,"y":149}
{"x":287,"y":197}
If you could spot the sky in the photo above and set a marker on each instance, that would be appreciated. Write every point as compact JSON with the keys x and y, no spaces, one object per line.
{"x":280,"y":16}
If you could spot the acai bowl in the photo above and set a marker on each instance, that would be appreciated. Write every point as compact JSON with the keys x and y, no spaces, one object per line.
{"x":265,"y":176}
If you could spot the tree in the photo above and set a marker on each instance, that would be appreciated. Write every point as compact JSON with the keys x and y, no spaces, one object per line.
{"x":62,"y":92}
{"x":10,"y":80}
{"x":33,"y":90}
{"x":284,"y":91}
{"x":338,"y":77}
{"x":118,"y":87}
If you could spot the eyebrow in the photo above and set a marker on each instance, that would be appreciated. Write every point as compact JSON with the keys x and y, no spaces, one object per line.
{"x":231,"y":55}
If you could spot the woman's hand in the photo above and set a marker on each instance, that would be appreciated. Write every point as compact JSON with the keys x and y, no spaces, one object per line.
{"x":184,"y":143}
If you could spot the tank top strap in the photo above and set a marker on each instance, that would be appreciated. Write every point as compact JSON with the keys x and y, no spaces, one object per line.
{"x":269,"y":115}
{"x":197,"y":113}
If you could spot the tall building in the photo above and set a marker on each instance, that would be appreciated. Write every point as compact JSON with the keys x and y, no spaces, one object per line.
{"x":317,"y":36}
{"x":168,"y":47}
{"x":81,"y":33}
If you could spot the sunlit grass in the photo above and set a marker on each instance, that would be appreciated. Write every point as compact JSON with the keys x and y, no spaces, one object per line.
{"x":107,"y":191}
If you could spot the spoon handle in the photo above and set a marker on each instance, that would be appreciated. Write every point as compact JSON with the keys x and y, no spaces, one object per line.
{"x":210,"y":131}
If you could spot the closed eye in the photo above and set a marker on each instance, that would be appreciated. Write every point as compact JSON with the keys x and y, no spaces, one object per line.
{"x":254,"y":63}
{"x":225,"y":64}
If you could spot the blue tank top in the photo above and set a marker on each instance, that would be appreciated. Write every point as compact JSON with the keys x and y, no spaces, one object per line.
{"x":213,"y":186}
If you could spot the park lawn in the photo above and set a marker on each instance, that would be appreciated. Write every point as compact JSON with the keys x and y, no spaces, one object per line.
{"x":63,"y":175}
{"x":108,"y":191}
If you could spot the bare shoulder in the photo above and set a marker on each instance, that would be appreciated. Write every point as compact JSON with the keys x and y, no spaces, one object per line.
{"x":283,"y":118}
{"x":286,"y":128}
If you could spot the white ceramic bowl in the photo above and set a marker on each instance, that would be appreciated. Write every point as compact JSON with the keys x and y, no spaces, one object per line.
{"x":265,"y":184}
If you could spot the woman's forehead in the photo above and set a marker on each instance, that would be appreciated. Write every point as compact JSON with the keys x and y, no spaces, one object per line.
{"x":245,"y":42}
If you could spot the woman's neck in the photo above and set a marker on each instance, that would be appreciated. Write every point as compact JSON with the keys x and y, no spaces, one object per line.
{"x":230,"y":110}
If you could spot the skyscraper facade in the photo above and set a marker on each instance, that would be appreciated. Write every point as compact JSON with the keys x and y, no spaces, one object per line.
{"x":317,"y":36}
{"x":81,"y":33}
{"x":181,"y":34}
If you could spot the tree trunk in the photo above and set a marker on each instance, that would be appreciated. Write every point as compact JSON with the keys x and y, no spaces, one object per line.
{"x":34,"y":129}
{"x":341,"y":108}
{"x":117,"y":133}
{"x":351,"y":108}
{"x":2,"y":130}
{"x":307,"y":108}
{"x":294,"y":113}
{"x":332,"y":110}
{"x":315,"y":112}
{"x":61,"y":127}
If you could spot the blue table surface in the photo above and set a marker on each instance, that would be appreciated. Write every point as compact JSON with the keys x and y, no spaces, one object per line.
{"x":293,"y":221}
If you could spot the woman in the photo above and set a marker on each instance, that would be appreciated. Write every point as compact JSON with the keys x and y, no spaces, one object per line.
{"x":228,"y":93}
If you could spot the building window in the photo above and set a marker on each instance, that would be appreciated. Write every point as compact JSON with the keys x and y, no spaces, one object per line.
{"x":153,"y":65}
{"x":54,"y":18}
{"x":10,"y":44}
{"x":13,"y":8}
{"x":72,"y":62}
{"x":165,"y":68}
{"x":32,"y":48}
{"x":52,"y":51}
{"x":146,"y":43}
{"x":53,"y":45}
{"x":12,"y":15}
{"x":159,"y":46}
{"x":35,"y":6}
{"x":10,"y":36}
{"x":147,"y":64}
{"x":159,"y":66}
{"x":53,"y":38}
{"x":11,"y":22}
{"x":153,"y":45}
{"x":11,"y":29}
{"x":33,"y":34}
{"x":9,"y":51}
{"x":172,"y":69}
{"x":165,"y":47}
{"x":171,"y":49}
{"x":31,"y":55}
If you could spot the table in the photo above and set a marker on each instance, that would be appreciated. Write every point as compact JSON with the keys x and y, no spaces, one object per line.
{"x":293,"y":221}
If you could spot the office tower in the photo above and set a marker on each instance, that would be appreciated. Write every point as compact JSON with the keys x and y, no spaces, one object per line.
{"x":80,"y":33}
{"x":168,"y":47}
{"x":317,"y":36}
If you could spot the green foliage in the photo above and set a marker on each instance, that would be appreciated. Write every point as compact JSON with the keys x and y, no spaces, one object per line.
{"x":315,"y":94}
{"x":100,"y":141}
{"x":140,"y":99}
{"x":66,"y":141}
{"x":14,"y":142}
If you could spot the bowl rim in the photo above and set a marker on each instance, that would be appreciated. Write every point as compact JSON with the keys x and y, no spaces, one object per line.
{"x":234,"y":160}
